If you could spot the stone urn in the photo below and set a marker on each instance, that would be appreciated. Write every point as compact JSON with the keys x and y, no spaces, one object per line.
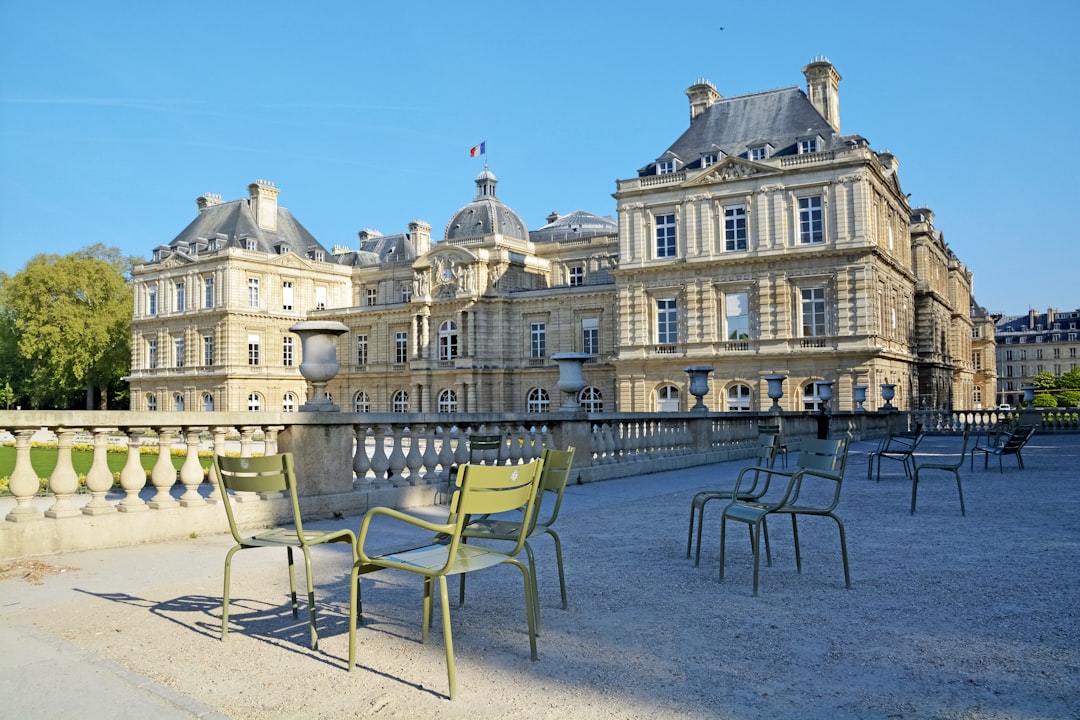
{"x":776,"y":390}
{"x":860,"y":396}
{"x":571,"y":380}
{"x":888,"y":392}
{"x":699,"y":385}
{"x":824,"y":393}
{"x":318,"y":343}
{"x":1029,"y":395}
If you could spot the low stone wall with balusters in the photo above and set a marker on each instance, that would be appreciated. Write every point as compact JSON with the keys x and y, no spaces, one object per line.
{"x":346,"y":463}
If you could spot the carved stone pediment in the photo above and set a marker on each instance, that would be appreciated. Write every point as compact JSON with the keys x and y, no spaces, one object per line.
{"x":291,"y":260}
{"x":174,"y":261}
{"x":731,"y":168}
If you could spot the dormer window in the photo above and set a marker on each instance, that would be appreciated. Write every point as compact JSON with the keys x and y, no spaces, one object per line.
{"x":665,"y":167}
{"x":808,"y":145}
{"x":319,"y":255}
{"x":282,"y":249}
{"x":761,"y":152}
{"x":249,"y":244}
{"x":709,"y":159}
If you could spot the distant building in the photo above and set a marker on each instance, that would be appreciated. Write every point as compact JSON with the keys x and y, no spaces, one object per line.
{"x":1030,"y":344}
{"x":761,"y":241}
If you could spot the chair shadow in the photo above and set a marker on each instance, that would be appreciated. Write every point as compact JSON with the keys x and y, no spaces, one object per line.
{"x":275,"y":624}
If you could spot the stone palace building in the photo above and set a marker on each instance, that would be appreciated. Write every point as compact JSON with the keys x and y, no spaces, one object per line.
{"x":761,"y":241}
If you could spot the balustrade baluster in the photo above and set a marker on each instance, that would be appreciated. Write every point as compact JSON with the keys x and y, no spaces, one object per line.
{"x":516,"y":452}
{"x":191,"y":472}
{"x":23,"y":482}
{"x":380,"y":463}
{"x":361,"y":464}
{"x":397,"y":460}
{"x":99,"y":480}
{"x":63,"y":482}
{"x":461,"y":446}
{"x":133,"y":476}
{"x":414,"y":460}
{"x":163,"y":475}
{"x":446,"y":450}
{"x":431,"y":458}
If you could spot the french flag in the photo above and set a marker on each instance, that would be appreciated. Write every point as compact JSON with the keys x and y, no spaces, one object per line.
{"x":478,"y":149}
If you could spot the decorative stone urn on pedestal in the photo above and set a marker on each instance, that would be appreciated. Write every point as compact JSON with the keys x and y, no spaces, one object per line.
{"x":1029,"y":395}
{"x":776,"y":391}
{"x":318,"y":342}
{"x":888,"y":392}
{"x":571,"y":380}
{"x":699,"y":385}
{"x":860,"y":396}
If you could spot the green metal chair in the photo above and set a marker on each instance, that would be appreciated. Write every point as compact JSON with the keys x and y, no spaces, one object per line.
{"x":896,"y":447}
{"x":482,"y":450}
{"x":952,"y":467}
{"x":1009,"y":443}
{"x":819,"y":460}
{"x":767,"y":449}
{"x":271,"y":473}
{"x":553,"y":480}
{"x":781,"y":444}
{"x":483,"y":490}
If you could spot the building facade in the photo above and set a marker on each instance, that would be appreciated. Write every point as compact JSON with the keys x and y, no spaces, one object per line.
{"x":1031,"y":344}
{"x":761,"y":241}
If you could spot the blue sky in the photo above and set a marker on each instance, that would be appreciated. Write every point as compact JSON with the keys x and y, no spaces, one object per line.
{"x":115,"y":116}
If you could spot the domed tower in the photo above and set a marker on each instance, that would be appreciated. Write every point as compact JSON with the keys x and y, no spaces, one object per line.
{"x":486,"y":215}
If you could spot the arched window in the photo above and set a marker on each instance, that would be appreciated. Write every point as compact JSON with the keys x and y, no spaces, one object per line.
{"x":400,"y":402}
{"x":447,"y":401}
{"x":254,"y":402}
{"x":591,"y":400}
{"x":361,"y":403}
{"x":538,"y":401}
{"x":738,"y":398}
{"x":667,"y":398}
{"x":811,"y":396}
{"x":288,"y":403}
{"x":178,"y":402}
{"x":151,"y":402}
{"x":448,"y":340}
{"x":207,"y":402}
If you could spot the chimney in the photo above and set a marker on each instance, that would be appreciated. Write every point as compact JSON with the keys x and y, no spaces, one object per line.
{"x":823,"y":89}
{"x":1050,"y":313}
{"x":207,"y":200}
{"x":702,"y":95}
{"x":264,"y":203}
{"x":1031,"y":318}
{"x":420,"y":232}
{"x":552,"y":217}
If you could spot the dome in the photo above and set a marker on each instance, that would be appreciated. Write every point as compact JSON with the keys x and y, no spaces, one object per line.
{"x":578,"y":224}
{"x":485,"y":215}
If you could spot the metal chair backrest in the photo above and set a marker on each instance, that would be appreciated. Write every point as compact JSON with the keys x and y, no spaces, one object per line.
{"x":481,"y":448}
{"x":269,"y":473}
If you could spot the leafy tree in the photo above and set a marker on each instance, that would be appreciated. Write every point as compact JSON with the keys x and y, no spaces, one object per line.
{"x":1045,"y":381}
{"x":1068,"y":398}
{"x":1070,"y":380}
{"x":1044,"y":400}
{"x":65,"y":322}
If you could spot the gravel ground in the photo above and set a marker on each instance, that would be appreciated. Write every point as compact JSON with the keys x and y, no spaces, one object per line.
{"x":947,"y":616}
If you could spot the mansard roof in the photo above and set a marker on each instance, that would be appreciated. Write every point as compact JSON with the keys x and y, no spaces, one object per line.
{"x":779,"y":118}
{"x":232,"y":224}
{"x":578,"y":224}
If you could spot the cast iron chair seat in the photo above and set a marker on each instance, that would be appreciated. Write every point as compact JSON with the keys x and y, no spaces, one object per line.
{"x":896,"y":447}
{"x":482,"y":490}
{"x":271,"y":473}
{"x":820,"y":462}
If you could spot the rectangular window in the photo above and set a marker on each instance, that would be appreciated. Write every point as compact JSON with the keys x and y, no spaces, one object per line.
{"x":178,"y":351}
{"x":809,"y":145}
{"x":208,"y":350}
{"x":361,"y":350}
{"x":406,"y":293}
{"x":1008,"y":371}
{"x":709,"y":159}
{"x":976,"y":360}
{"x":665,"y":235}
{"x":249,"y":244}
{"x":1008,"y":355}
{"x":736,"y":316}
{"x":401,"y":347}
{"x":665,"y":167}
{"x":590,"y":336}
{"x":813,"y":312}
{"x":758,"y":153}
{"x":151,"y":300}
{"x":181,"y":296}
{"x":151,"y":354}
{"x":287,"y":351}
{"x":810,"y":220}
{"x":577,"y":276}
{"x":735,"y":227}
{"x":253,"y":292}
{"x":320,"y":297}
{"x":208,"y":292}
{"x":371,"y":295}
{"x":538,"y":339}
{"x":667,"y":331}
{"x":287,"y":295}
{"x":253,"y":349}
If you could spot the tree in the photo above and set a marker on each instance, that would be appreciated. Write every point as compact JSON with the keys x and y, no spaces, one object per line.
{"x":1045,"y":381}
{"x":1070,"y":380}
{"x":68,"y":320}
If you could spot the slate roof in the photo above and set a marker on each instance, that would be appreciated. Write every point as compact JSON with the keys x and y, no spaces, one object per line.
{"x":578,"y":224}
{"x":734,"y":124}
{"x":232,"y":223}
{"x":485,"y":215}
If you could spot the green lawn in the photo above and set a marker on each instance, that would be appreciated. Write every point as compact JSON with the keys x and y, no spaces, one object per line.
{"x":43,"y":460}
